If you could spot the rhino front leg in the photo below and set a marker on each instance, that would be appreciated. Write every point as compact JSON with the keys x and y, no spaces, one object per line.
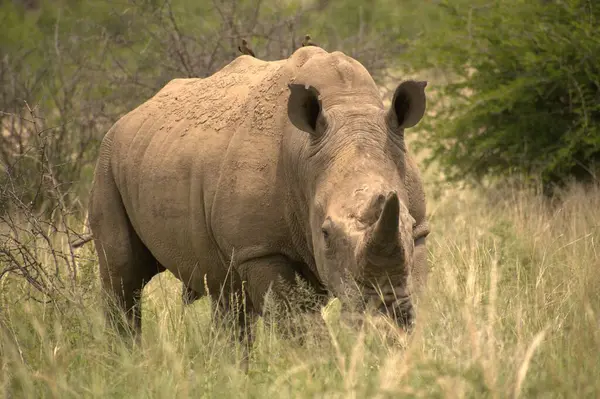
{"x":276,"y":273}
{"x":188,"y":295}
{"x":235,"y":311}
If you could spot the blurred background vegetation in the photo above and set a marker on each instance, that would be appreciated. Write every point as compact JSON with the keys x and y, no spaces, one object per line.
{"x":524,"y":100}
{"x":521,"y":99}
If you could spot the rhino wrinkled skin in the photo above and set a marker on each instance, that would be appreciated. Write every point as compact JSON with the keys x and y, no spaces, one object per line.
{"x":259,"y":172}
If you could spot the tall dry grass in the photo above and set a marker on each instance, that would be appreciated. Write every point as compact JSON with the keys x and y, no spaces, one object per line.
{"x":511,"y":310}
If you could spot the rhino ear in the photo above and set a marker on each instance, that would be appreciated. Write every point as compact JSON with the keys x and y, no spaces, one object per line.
{"x":408,"y":104}
{"x":305,"y":110}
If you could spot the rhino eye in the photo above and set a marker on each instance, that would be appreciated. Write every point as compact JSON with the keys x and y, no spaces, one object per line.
{"x":326,"y":237}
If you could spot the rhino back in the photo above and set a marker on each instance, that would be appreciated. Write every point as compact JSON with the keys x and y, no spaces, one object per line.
{"x":198,"y":148}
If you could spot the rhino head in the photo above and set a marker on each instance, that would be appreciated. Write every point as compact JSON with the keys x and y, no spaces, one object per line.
{"x":353,"y":162}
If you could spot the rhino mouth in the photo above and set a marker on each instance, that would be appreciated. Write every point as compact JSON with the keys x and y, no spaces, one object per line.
{"x":391,"y":301}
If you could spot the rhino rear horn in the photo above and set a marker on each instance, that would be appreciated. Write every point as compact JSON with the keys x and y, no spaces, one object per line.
{"x":305,"y":110}
{"x":408,"y":104}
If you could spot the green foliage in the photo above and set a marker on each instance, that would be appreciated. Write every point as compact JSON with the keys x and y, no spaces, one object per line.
{"x":525,"y":96}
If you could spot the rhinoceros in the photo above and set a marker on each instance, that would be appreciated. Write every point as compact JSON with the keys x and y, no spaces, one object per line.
{"x":262,"y":174}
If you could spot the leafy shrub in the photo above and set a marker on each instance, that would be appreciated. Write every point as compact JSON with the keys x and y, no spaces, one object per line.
{"x":527,"y":99}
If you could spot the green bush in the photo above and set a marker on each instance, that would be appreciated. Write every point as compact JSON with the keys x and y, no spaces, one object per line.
{"x":526,"y":102}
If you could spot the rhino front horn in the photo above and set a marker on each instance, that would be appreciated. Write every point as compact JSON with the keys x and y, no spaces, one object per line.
{"x":386,"y":229}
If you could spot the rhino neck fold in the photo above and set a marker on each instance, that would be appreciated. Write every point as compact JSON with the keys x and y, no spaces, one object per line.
{"x":297,"y":207}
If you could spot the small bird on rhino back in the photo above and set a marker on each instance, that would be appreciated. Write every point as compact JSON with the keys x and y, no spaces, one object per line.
{"x":244,"y":49}
{"x":308,"y":42}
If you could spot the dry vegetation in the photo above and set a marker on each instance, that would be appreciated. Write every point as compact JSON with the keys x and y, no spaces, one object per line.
{"x":511,"y":310}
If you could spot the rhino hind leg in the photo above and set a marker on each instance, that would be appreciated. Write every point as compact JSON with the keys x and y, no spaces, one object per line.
{"x":125,"y":264}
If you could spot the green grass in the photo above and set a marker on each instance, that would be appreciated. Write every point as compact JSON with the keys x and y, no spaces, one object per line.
{"x":512,"y":309}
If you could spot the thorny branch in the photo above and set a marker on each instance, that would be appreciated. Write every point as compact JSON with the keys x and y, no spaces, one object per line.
{"x":30,"y":244}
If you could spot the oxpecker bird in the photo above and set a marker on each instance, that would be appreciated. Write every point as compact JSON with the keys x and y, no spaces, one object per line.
{"x":308,"y":42}
{"x":244,"y":49}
